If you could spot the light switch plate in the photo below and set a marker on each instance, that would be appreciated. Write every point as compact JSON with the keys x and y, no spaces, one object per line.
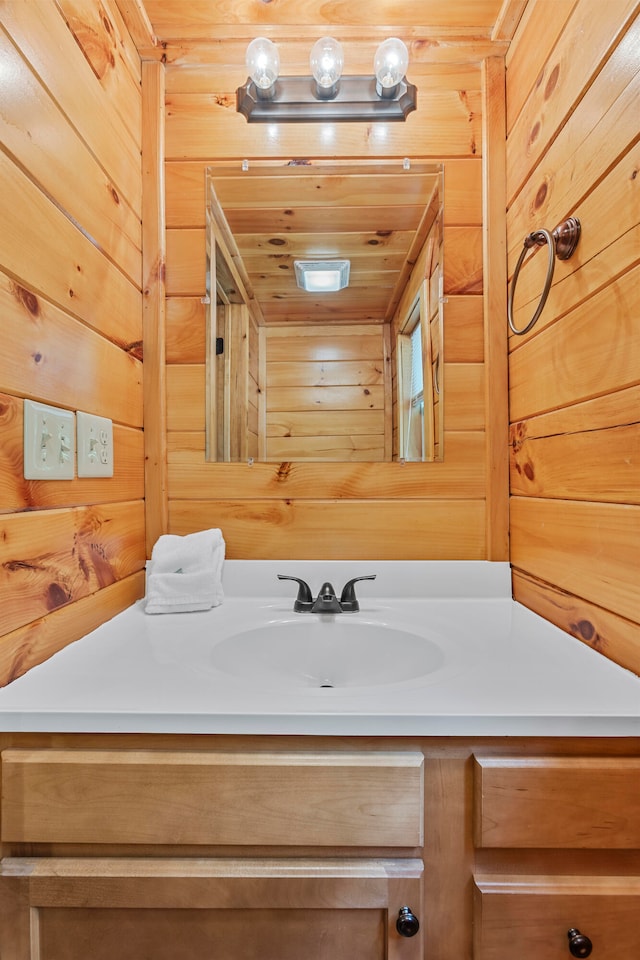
{"x":49,"y":442}
{"x":95,"y":445}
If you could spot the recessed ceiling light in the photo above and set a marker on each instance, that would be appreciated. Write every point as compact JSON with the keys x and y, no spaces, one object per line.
{"x":322,"y":276}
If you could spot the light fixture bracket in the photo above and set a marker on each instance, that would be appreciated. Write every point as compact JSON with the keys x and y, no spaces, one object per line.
{"x":295,"y":101}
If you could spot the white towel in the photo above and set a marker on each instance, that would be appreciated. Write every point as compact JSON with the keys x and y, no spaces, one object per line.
{"x":185,"y":573}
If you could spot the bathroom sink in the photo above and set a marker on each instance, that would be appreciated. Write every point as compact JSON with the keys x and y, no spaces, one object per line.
{"x":327,"y":652}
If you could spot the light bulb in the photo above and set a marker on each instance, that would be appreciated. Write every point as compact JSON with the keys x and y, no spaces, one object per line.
{"x":326,"y":61}
{"x":390,"y":65}
{"x":263,"y":64}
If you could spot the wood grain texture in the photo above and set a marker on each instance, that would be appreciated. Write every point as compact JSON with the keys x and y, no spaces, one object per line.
{"x":208,"y":126}
{"x":169,"y":21}
{"x":533,"y":910}
{"x":573,"y":467}
{"x":495,"y":331}
{"x":346,"y":799}
{"x":62,"y":263}
{"x":588,"y":549}
{"x":27,"y":646}
{"x":154,"y":304}
{"x":562,"y":84}
{"x":52,"y":557}
{"x":610,"y":634}
{"x":240,"y":908}
{"x":524,"y":69}
{"x":48,"y":356}
{"x":71,"y":301}
{"x":456,"y":477}
{"x":101,"y":34}
{"x":275,"y":529}
{"x":39,"y":136}
{"x":186,"y":330}
{"x":597,"y":133}
{"x":573,"y":379}
{"x":45,"y":41}
{"x":556,"y":802}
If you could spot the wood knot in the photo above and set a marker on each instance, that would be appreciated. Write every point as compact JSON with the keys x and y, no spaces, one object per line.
{"x":28,"y":299}
{"x":57,"y":596}
{"x":541,"y":195}
{"x":587,"y":632}
{"x":552,"y":81}
{"x":283,"y":471}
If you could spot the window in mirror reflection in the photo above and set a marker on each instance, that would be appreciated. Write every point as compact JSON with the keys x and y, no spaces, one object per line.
{"x":411,"y":383}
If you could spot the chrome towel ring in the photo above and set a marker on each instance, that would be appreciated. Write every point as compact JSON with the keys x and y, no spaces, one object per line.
{"x":562,"y":241}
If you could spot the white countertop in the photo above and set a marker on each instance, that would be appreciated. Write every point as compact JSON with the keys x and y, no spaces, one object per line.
{"x":508,"y":673}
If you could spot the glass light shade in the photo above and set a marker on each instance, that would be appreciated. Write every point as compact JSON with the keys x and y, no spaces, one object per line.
{"x":263,"y":63}
{"x":390,"y":65}
{"x":326,"y":61}
{"x":322,"y":276}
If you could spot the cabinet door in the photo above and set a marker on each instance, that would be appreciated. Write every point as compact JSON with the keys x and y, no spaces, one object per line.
{"x":71,"y":909}
{"x":529,"y":917}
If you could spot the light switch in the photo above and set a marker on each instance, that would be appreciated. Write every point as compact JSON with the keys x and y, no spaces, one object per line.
{"x":49,"y":442}
{"x":95,"y":445}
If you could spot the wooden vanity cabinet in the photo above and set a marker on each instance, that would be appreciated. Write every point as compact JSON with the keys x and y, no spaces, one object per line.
{"x":555,"y":813}
{"x":292,"y":854}
{"x":287,"y":847}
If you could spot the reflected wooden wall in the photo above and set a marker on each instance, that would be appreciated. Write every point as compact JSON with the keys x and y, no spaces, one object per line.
{"x":71,"y":552}
{"x":573,"y":149}
{"x":325,"y":392}
{"x":292,"y":508}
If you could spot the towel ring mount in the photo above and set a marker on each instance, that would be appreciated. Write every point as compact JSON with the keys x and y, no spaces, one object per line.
{"x":562,"y":241}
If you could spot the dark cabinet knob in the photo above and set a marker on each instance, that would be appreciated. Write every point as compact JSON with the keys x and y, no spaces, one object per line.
{"x":407,"y":923}
{"x":579,"y":945}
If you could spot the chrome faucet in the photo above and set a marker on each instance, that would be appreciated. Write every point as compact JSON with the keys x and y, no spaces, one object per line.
{"x":326,"y":601}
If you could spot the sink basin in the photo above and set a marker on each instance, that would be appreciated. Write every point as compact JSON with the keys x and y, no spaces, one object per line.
{"x":326,"y":652}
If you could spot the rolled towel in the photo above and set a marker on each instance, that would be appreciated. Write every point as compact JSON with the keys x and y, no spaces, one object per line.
{"x":185,"y":573}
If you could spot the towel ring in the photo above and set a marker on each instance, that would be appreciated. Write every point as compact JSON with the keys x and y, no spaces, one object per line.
{"x":562,"y":241}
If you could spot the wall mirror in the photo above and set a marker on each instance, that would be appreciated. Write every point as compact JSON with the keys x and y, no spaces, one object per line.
{"x":353,"y":374}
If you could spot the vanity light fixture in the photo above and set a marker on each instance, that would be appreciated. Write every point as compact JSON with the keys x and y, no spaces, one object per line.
{"x":322,"y":276}
{"x":327,"y":96}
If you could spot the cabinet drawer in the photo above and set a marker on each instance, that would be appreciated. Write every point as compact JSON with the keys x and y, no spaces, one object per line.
{"x":557,"y":802}
{"x":529,"y":917}
{"x":122,"y":796}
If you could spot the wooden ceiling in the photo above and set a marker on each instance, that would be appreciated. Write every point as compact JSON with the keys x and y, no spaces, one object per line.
{"x":374,"y":214}
{"x":182,"y":22}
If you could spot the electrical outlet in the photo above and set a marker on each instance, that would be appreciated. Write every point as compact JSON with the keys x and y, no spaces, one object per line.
{"x":95,"y":445}
{"x":49,"y":442}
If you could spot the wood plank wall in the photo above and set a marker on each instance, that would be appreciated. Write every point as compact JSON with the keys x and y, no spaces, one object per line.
{"x":325,"y":392}
{"x":573,"y":88}
{"x":71,"y":552}
{"x":296,"y":509}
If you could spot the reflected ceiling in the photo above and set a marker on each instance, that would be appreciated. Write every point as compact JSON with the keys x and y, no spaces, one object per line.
{"x":376,"y":215}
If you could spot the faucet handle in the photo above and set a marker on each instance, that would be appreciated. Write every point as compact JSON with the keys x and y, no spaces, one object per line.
{"x":304,"y":600}
{"x":348,"y":599}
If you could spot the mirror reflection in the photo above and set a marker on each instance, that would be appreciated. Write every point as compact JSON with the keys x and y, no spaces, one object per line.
{"x":322,"y":373}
